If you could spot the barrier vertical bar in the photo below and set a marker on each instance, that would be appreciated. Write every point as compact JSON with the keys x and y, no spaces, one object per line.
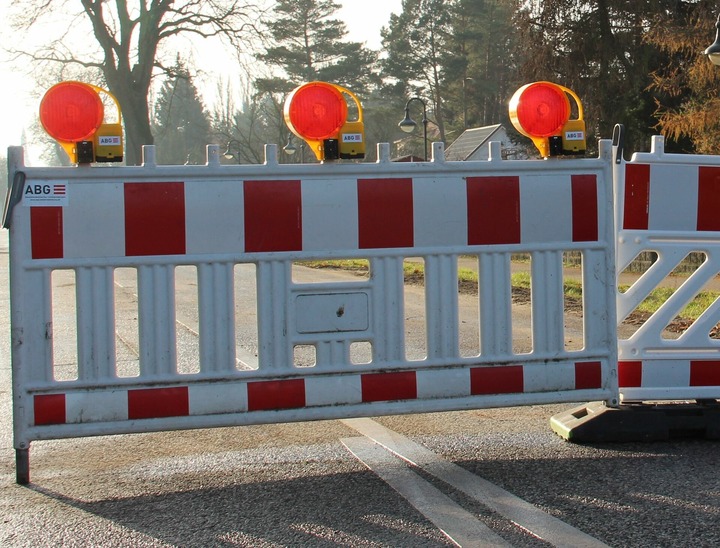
{"x":441,"y":306}
{"x":95,"y":323}
{"x":547,"y":301}
{"x":156,"y":311}
{"x":494,"y":291}
{"x":31,"y":321}
{"x":388,"y":308}
{"x":216,"y":309}
{"x":273,"y":283}
{"x":597,"y":330}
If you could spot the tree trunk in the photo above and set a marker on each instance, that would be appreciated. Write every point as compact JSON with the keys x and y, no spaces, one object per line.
{"x":137,"y":131}
{"x":132,"y":97}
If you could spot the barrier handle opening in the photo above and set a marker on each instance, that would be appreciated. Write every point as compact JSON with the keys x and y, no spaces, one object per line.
{"x":13,"y":197}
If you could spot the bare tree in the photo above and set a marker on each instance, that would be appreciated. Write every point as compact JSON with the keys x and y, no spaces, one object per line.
{"x":125,"y":40}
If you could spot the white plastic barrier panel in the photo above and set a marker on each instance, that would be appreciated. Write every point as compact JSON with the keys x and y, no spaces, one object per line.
{"x":125,"y":240}
{"x":669,"y":210}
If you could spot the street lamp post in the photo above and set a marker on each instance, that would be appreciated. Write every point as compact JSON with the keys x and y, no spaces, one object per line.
{"x":464,"y":101}
{"x":408,"y":125}
{"x":713,"y":51}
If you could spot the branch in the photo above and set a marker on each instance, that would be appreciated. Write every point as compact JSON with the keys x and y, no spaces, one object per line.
{"x":94,"y":11}
{"x":230,"y":21}
{"x":53,"y":57}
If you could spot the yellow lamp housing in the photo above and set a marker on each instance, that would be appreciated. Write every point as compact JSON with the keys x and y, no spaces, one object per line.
{"x":352,"y":141}
{"x":573,"y":137}
{"x":108,"y":139}
{"x":352,"y":133}
{"x":108,"y":143}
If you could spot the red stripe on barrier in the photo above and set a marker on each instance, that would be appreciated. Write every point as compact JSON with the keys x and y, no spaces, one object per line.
{"x":493,"y":210}
{"x":401,"y":385}
{"x":155,"y":403}
{"x":637,"y":196}
{"x":497,"y":380}
{"x":630,"y":374}
{"x":705,"y":373}
{"x":269,"y":395}
{"x":273,"y":216}
{"x":588,"y":375}
{"x":584,"y":208}
{"x":385,"y":213}
{"x":708,"y":198}
{"x":154,"y":219}
{"x":46,"y":232}
{"x":49,"y":409}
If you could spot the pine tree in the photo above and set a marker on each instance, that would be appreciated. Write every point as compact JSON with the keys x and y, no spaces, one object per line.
{"x":598,"y":49}
{"x":309,"y":45}
{"x":417,"y":44}
{"x":181,"y":128}
{"x":480,"y":73}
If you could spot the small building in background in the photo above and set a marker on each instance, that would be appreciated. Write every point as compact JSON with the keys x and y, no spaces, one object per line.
{"x":474,"y":144}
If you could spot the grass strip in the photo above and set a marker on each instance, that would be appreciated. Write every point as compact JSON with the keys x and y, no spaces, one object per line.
{"x":414,"y":273}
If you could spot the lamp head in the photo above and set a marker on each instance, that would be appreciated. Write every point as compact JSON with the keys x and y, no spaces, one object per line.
{"x":290,"y":148}
{"x":713,"y":51}
{"x":408,"y":125}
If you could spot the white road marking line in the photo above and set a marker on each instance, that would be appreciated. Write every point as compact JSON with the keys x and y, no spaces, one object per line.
{"x":522,"y":513}
{"x":459,"y":525}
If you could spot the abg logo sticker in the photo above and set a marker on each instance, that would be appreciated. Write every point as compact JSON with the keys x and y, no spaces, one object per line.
{"x":45,"y":193}
{"x":109,"y":140}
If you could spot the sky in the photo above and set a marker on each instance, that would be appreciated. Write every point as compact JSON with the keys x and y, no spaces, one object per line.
{"x":18,"y":109}
{"x":364,"y":18}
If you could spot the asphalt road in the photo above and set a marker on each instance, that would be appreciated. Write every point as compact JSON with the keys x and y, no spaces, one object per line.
{"x":470,"y":476}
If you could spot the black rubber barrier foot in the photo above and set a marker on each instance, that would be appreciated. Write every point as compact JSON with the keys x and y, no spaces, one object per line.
{"x":595,"y":422}
{"x":22,"y":466}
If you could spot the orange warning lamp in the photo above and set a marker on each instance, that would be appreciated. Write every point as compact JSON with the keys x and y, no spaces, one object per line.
{"x":541,"y":111}
{"x":317,"y":113}
{"x":73,"y":113}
